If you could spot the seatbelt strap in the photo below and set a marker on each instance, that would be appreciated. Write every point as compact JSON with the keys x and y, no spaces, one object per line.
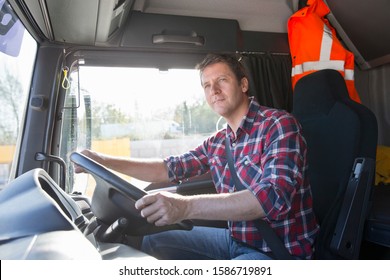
{"x":278,"y":248}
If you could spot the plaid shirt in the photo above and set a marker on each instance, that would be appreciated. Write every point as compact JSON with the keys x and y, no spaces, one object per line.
{"x":270,"y":159}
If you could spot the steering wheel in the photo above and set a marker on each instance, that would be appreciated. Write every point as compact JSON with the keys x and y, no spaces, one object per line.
{"x":114,"y":198}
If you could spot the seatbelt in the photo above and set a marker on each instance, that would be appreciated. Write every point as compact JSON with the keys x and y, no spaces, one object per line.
{"x":278,"y":248}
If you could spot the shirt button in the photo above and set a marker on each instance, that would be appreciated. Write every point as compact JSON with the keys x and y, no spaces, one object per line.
{"x":246,"y":162}
{"x":234,"y":144}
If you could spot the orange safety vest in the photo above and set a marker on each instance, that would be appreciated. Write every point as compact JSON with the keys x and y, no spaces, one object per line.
{"x":314,"y":46}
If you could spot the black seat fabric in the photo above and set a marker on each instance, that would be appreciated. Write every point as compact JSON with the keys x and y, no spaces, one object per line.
{"x":337,"y":130}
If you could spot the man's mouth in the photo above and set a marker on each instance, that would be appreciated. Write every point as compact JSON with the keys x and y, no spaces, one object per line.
{"x":218,"y":100}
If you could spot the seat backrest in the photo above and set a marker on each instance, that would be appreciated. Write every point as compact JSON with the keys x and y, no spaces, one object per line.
{"x":338,"y":131}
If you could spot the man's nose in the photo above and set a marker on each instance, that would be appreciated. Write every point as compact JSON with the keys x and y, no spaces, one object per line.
{"x":215,"y":89}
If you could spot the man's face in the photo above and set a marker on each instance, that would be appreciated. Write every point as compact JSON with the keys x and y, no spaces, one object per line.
{"x":223,"y":92}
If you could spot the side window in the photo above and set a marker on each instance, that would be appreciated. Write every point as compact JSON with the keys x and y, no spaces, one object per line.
{"x":137,"y":112}
{"x":17,"y":56}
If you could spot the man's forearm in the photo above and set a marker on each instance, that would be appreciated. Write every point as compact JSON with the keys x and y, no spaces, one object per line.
{"x":239,"y":206}
{"x":150,"y":170}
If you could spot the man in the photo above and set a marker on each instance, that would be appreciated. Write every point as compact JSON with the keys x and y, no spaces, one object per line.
{"x":270,"y":159}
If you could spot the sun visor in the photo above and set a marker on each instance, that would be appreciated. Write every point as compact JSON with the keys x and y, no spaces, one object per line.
{"x":86,"y":22}
{"x":157,"y":31}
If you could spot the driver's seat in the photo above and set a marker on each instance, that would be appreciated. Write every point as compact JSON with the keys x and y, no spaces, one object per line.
{"x":341,"y":137}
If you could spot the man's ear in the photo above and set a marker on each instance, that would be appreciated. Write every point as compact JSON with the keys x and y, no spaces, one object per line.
{"x":244,"y":84}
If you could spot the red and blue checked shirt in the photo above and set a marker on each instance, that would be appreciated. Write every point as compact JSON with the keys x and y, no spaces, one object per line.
{"x":270,"y":159}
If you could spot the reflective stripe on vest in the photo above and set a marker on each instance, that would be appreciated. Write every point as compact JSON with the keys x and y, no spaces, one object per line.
{"x":326,"y":44}
{"x":318,"y":65}
{"x":321,"y":65}
{"x":349,"y":75}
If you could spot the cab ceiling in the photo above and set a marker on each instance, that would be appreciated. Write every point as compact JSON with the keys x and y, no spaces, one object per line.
{"x":362,"y":25}
{"x":80,"y":21}
{"x":252,"y":15}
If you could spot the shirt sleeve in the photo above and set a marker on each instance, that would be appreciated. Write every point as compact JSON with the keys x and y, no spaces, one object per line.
{"x":282,"y":164}
{"x":189,"y":164}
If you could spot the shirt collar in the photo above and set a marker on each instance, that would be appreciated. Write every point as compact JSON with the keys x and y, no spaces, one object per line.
{"x":248,"y":120}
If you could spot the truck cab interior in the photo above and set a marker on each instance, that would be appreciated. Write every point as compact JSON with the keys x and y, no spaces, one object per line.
{"x":118,"y":76}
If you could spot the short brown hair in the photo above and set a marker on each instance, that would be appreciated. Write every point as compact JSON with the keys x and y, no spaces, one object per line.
{"x":229,"y":59}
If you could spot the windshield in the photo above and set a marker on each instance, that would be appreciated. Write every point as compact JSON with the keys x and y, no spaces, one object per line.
{"x":137,"y":112}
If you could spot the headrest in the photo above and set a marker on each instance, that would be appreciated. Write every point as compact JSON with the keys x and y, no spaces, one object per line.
{"x":317,"y":92}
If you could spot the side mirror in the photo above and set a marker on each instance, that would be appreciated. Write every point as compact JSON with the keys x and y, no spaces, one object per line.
{"x":11,"y":30}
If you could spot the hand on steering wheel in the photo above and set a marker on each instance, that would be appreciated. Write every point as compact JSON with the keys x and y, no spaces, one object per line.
{"x":114,"y":198}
